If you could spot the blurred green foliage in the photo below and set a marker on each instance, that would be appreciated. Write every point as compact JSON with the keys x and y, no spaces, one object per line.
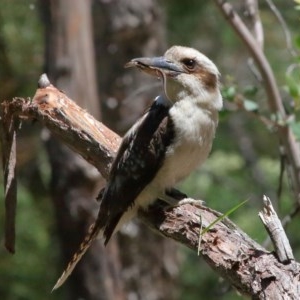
{"x":29,"y":273}
{"x":225,"y":180}
{"x":22,"y":50}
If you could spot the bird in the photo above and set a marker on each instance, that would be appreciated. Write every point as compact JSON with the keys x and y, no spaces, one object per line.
{"x":164,"y":146}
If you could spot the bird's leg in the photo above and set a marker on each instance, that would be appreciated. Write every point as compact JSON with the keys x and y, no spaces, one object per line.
{"x":172,"y":196}
{"x":175,"y":197}
{"x":175,"y":194}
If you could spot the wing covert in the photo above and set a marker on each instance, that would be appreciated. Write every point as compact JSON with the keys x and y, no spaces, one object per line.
{"x":139,"y":158}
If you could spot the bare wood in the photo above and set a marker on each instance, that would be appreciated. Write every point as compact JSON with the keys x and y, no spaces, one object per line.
{"x":276,"y":232}
{"x":230,"y":252}
{"x":73,"y":125}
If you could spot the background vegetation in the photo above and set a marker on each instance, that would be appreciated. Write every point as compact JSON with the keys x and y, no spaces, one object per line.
{"x":244,"y":164}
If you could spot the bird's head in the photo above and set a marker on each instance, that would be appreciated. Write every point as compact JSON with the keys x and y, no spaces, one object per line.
{"x":186,"y":74}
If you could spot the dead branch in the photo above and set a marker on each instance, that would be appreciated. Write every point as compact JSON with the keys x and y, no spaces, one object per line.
{"x":8,"y":141}
{"x":248,"y":267}
{"x":276,"y":232}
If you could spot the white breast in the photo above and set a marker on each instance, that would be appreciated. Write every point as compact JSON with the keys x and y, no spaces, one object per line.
{"x":194,"y":133}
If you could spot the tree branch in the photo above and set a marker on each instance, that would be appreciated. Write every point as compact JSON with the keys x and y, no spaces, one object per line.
{"x":276,"y":232}
{"x":230,"y":252}
{"x":285,"y":134}
{"x":8,"y":141}
{"x":257,"y":28}
{"x":285,"y":29}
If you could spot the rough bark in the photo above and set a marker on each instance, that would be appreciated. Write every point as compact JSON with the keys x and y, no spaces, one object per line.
{"x":231,"y":253}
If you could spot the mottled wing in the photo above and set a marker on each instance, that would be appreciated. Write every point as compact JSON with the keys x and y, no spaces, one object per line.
{"x":139,"y":158}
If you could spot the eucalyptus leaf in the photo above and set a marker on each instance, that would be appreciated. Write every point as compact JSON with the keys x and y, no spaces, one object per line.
{"x":250,"y":105}
{"x":296,"y":130}
{"x":293,"y":86}
{"x":229,"y":93}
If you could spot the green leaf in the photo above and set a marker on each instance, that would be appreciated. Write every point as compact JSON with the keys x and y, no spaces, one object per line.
{"x":293,"y":87}
{"x":250,"y":105}
{"x":250,"y":90}
{"x":229,"y":212}
{"x":296,"y":130}
{"x":229,"y":93}
{"x":297,"y":40}
{"x":224,"y":114}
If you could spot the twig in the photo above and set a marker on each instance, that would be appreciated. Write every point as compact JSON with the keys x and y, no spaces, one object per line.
{"x":284,"y":27}
{"x":285,"y":222}
{"x":276,"y":232}
{"x":253,"y":12}
{"x":253,"y":70}
{"x":258,"y":33}
{"x":280,"y":179}
{"x":287,"y":219}
{"x":285,"y":134}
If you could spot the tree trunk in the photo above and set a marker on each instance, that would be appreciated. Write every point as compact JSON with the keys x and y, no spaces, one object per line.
{"x":74,"y":183}
{"x":125,"y":29}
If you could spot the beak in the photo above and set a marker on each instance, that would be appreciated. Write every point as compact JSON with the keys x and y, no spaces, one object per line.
{"x":156,"y":65}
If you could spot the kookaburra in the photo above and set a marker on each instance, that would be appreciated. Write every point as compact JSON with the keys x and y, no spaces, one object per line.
{"x":164,"y":146}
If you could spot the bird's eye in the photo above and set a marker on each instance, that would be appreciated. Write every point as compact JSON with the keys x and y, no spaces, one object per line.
{"x":189,"y":63}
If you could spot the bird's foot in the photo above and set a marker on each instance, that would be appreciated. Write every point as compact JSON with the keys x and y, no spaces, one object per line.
{"x":175,"y":194}
{"x":175,"y":197}
{"x":172,"y":196}
{"x":197,"y":203}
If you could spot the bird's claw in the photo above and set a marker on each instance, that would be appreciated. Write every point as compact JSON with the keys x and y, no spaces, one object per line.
{"x":197,"y":203}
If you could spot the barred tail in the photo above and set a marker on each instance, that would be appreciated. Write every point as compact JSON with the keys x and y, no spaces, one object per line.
{"x":84,"y":246}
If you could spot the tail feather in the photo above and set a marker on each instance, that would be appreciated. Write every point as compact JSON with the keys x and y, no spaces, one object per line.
{"x":84,"y":246}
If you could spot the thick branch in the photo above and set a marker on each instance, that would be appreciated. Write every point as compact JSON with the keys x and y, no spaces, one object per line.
{"x":71,"y":124}
{"x":230,"y":252}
